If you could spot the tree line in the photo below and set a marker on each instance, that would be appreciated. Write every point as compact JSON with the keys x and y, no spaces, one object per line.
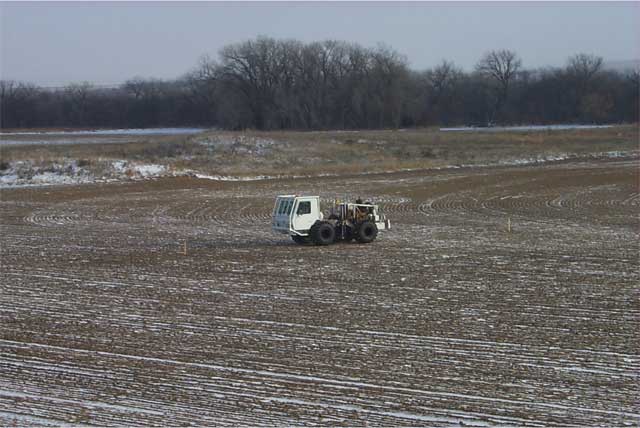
{"x":286,"y":84}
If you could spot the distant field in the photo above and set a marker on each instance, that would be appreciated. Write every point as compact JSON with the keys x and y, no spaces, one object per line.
{"x":95,"y":157}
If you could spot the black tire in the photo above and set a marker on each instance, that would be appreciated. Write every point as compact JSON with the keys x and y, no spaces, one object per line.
{"x":300,"y":239}
{"x":367,"y":231}
{"x":323,"y":233}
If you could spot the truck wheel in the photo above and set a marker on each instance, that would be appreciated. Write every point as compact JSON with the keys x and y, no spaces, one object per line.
{"x":300,"y":239}
{"x":322,"y":233}
{"x":366,"y":232}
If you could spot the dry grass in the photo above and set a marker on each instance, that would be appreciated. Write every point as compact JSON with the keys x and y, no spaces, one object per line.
{"x":332,"y":152}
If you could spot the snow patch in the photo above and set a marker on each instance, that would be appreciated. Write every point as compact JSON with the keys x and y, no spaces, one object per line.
{"x":240,"y":144}
{"x":150,"y":170}
{"x":134,"y":131}
{"x":28,"y":173}
{"x":524,"y":128}
{"x":233,"y":178}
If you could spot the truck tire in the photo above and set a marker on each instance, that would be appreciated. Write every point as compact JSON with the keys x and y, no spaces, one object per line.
{"x":300,"y":239}
{"x":322,"y":233}
{"x":366,"y":232}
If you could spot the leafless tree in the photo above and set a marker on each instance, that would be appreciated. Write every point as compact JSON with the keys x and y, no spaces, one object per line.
{"x":390,"y":74}
{"x":201,"y":87}
{"x":253,"y":69}
{"x":9,"y":93}
{"x":441,"y":80}
{"x":500,"y":66}
{"x":584,"y":66}
{"x":8,"y":89}
{"x":78,"y":95}
{"x":268,"y":83}
{"x":582,"y":70}
{"x":634,"y":77}
{"x":440,"y":84}
{"x":17,"y":101}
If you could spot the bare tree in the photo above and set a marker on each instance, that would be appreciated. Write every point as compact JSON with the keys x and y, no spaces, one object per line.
{"x":440,"y":83}
{"x":582,"y":70}
{"x":253,"y":69}
{"x":267,"y":83}
{"x":584,"y":66}
{"x":78,"y":95}
{"x":390,"y":74}
{"x":286,"y":104}
{"x":441,"y":78}
{"x":500,"y":66}
{"x":17,"y":101}
{"x":9,"y":94}
{"x":634,"y":77}
{"x":201,"y":86}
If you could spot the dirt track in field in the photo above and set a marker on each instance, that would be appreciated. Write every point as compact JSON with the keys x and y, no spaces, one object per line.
{"x":447,"y":319}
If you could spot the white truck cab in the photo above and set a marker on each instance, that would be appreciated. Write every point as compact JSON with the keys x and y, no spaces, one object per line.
{"x":294,"y":215}
{"x":302,"y":219}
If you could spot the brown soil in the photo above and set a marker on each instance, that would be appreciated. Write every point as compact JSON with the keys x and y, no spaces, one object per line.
{"x":447,"y":319}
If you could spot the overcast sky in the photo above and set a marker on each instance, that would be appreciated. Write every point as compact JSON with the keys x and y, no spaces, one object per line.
{"x":57,"y":43}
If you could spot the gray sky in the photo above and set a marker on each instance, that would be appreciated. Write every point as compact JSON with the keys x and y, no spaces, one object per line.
{"x":56,"y":43}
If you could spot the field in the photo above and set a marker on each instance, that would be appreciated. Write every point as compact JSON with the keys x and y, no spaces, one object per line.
{"x":505,"y":294}
{"x":43,"y":158}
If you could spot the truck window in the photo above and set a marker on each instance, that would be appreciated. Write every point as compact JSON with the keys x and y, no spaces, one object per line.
{"x":304,"y":208}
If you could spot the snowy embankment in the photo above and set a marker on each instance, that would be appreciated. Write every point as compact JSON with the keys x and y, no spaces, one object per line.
{"x":28,"y":173}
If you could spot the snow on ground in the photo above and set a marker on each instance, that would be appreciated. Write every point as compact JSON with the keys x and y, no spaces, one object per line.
{"x":524,"y":128}
{"x":122,"y":303}
{"x":135,"y":131}
{"x":60,"y":141}
{"x":150,"y":170}
{"x":233,"y":178}
{"x":240,"y":144}
{"x":27,"y":173}
{"x":565,"y":156}
{"x":101,"y":136}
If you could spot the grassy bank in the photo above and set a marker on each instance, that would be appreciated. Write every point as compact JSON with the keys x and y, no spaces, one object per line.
{"x":333,"y":152}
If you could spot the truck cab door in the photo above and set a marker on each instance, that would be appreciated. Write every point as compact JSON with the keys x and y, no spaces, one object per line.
{"x":306,"y":212}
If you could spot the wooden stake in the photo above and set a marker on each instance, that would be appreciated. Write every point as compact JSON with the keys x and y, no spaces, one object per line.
{"x":185,"y":248}
{"x":509,"y":225}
